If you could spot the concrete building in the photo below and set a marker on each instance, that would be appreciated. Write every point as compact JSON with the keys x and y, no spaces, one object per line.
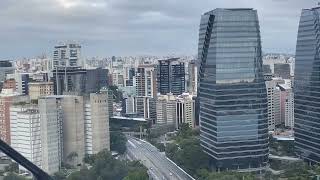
{"x":9,"y":84}
{"x":40,"y":89}
{"x":67,"y":55}
{"x":185,"y":110}
{"x":166,"y":109}
{"x":287,"y":105}
{"x":97,"y":135}
{"x":6,"y":67}
{"x":192,"y":81}
{"x":118,"y":78}
{"x":51,"y":134}
{"x":22,"y":82}
{"x":73,"y":129}
{"x":25,"y":132}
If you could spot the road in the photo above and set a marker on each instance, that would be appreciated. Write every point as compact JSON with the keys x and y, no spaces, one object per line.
{"x":159,"y":166}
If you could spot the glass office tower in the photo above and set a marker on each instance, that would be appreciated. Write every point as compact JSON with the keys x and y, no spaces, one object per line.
{"x":307,"y":87}
{"x":233,"y":98}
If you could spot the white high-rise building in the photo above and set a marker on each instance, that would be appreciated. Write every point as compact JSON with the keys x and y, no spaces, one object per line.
{"x":67,"y":55}
{"x":97,"y":136}
{"x":51,"y":134}
{"x":25,"y":132}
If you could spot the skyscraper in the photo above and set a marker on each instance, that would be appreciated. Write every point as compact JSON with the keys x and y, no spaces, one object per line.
{"x":233,"y":98}
{"x":171,"y":76}
{"x":306,"y":87}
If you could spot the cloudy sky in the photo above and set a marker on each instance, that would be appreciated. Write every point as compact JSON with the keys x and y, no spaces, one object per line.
{"x":132,"y":27}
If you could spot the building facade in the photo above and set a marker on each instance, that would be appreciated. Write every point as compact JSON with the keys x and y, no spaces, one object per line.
{"x":25,"y":132}
{"x":146,"y":83}
{"x":192,"y":83}
{"x":67,"y":55}
{"x":233,"y":98}
{"x":79,"y":81}
{"x":40,"y":89}
{"x":97,"y":123}
{"x":307,"y":78}
{"x":274,"y":113}
{"x":51,"y":134}
{"x":22,"y":82}
{"x":282,"y":70}
{"x":6,"y":67}
{"x":171,"y":77}
{"x":7,"y":98}
{"x":73,"y":129}
{"x":286,"y":105}
{"x":185,"y":113}
{"x":166,"y":109}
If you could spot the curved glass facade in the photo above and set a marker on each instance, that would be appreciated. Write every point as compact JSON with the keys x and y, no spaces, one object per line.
{"x":233,"y":99}
{"x":307,"y":87}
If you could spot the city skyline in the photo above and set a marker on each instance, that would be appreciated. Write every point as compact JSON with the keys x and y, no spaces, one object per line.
{"x":107,"y":28}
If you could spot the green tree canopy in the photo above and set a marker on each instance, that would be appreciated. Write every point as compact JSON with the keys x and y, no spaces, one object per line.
{"x":118,"y":142}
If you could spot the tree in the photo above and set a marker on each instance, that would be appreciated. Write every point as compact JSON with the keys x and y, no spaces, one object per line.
{"x":89,"y":159}
{"x":12,"y":167}
{"x":14,"y":176}
{"x":171,"y":151}
{"x":136,"y":171}
{"x":137,"y":175}
{"x":297,"y":170}
{"x":184,"y":131}
{"x":83,"y":174}
{"x":190,"y":155}
{"x":59,"y":176}
{"x":118,"y":142}
{"x":106,"y":167}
